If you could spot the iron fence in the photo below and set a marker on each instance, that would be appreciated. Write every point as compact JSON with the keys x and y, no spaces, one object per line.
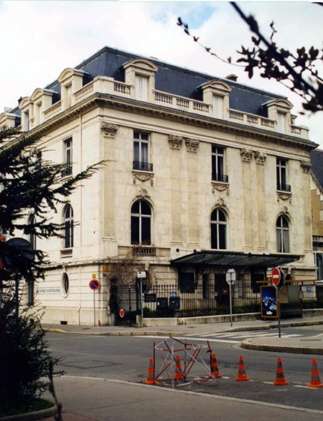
{"x":171,"y":301}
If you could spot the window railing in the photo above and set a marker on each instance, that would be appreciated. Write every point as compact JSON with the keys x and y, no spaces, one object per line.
{"x":220,"y":177}
{"x":141,"y":251}
{"x":284,"y":187}
{"x":67,"y":171}
{"x":142,"y":166}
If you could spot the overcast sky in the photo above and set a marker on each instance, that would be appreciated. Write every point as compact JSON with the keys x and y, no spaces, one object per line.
{"x":41,"y":38}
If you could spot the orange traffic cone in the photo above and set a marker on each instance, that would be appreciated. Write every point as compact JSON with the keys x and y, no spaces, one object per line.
{"x":178,"y":374}
{"x":280,"y":378}
{"x":214,"y":368}
{"x":315,"y":377}
{"x":242,"y":376}
{"x":150,"y":377}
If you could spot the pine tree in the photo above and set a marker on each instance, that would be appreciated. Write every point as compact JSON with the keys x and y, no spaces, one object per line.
{"x":29,"y":185}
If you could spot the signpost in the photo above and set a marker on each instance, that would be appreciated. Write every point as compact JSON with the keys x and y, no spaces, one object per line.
{"x":278,"y":280}
{"x":94,"y":284}
{"x":230,"y":277}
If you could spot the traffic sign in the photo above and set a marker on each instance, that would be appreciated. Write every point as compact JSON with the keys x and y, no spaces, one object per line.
{"x":230,"y":276}
{"x":275,"y":276}
{"x":278,"y":278}
{"x":94,"y":284}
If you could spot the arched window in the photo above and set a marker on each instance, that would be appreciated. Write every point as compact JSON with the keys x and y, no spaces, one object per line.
{"x":32,"y":235}
{"x":282,"y":232}
{"x":140,"y":223}
{"x":218,"y":229}
{"x":68,"y":227}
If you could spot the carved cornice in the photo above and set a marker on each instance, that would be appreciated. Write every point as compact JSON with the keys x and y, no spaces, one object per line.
{"x":260,"y":157}
{"x":143,"y":176}
{"x":191,"y":144}
{"x":246,"y":155}
{"x":175,"y":142}
{"x":109,"y":101}
{"x":220,"y":187}
{"x":109,"y":130}
{"x":306,"y":166}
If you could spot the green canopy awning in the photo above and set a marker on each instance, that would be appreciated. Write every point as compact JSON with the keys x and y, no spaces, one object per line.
{"x":234,"y":259}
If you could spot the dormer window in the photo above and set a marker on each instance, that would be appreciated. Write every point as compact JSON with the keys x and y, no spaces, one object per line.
{"x":141,"y":87}
{"x":218,"y":106}
{"x":25,"y":121}
{"x":281,"y":122}
{"x":71,"y":81}
{"x":279,"y":111}
{"x":140,"y":74}
{"x":216,"y":93}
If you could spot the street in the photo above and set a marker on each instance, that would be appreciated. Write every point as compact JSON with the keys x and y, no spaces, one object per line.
{"x":125,"y":358}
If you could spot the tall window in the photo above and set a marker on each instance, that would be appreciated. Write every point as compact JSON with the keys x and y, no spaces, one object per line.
{"x":141,"y":88}
{"x":141,"y":223}
{"x":68,"y":227}
{"x":218,"y":164}
{"x":281,"y":121}
{"x":25,"y":121}
{"x":68,"y":157}
{"x":217,"y":106}
{"x":218,"y":229}
{"x":282,"y":232}
{"x":32,"y":235}
{"x":281,"y":170}
{"x":140,"y":152}
{"x":319,"y":264}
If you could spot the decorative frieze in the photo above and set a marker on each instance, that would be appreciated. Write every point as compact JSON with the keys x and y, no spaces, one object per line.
{"x":192,"y":144}
{"x":221,"y":187}
{"x":246,"y":155}
{"x":285,"y":196}
{"x":108,"y":129}
{"x":175,"y":142}
{"x":260,"y":157}
{"x":143,"y":177}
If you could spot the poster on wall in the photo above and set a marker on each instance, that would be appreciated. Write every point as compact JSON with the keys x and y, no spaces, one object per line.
{"x":268,"y":302}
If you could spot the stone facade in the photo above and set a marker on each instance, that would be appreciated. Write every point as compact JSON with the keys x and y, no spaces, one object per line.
{"x":153,"y":202}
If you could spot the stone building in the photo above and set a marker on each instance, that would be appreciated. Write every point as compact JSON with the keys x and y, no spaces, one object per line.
{"x":203,"y":174}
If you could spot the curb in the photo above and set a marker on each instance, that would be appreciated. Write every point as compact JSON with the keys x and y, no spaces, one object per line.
{"x":118,"y":333}
{"x":281,"y":348}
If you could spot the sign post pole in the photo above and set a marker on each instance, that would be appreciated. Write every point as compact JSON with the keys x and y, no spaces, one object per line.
{"x":278,"y":279}
{"x":94,"y":307}
{"x":94,"y":285}
{"x":230,"y":278}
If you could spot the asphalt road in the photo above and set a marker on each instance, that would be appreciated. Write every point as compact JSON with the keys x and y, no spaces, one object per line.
{"x":126,"y":359}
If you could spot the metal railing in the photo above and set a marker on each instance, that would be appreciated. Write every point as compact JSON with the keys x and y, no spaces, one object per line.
{"x":171,"y":301}
{"x":220,"y":177}
{"x":142,"y":166}
{"x":283,"y":187}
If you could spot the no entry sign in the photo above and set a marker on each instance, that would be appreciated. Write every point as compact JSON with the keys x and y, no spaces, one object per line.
{"x":94,"y":284}
{"x":278,"y":278}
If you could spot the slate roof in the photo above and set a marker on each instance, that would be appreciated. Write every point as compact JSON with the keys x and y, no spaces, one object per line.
{"x":172,"y":79}
{"x":317,"y":165}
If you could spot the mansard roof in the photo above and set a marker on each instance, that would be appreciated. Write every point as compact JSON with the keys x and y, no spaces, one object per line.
{"x":173,"y":79}
{"x":317,"y":165}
